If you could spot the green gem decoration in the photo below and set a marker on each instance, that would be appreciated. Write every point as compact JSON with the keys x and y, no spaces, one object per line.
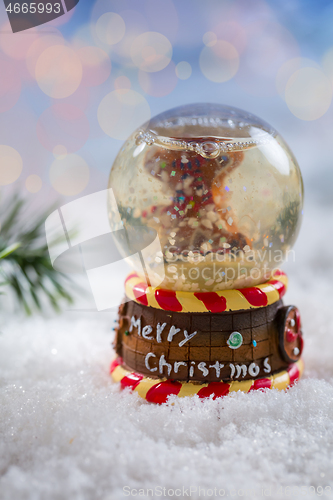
{"x":235,"y":340}
{"x":126,"y":332}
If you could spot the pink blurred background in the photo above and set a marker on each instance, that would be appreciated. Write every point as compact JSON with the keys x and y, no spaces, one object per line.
{"x":136,"y":59}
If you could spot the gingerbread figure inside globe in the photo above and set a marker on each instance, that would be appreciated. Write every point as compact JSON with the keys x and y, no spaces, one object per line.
{"x":210,"y":202}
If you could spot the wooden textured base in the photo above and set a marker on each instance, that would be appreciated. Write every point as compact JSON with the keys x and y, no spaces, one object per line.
{"x":200,"y":347}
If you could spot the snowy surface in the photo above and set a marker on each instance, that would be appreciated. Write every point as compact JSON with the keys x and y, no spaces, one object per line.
{"x":67,"y":432}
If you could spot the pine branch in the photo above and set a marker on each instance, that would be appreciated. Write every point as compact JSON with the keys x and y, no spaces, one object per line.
{"x":25,"y":265}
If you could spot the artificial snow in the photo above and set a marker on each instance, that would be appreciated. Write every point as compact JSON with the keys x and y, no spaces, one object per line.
{"x":67,"y":432}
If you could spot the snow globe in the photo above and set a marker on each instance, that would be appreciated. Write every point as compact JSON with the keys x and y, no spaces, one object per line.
{"x":210,"y":201}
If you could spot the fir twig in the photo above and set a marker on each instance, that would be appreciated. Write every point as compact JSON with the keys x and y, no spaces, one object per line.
{"x":25,"y":265}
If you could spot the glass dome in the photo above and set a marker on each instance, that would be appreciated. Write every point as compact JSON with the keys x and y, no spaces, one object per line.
{"x":210,"y":197}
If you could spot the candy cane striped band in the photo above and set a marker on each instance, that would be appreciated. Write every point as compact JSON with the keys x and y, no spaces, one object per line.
{"x":158,"y":390}
{"x":224,"y":300}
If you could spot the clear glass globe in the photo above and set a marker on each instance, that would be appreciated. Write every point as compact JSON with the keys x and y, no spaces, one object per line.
{"x":210,"y":197}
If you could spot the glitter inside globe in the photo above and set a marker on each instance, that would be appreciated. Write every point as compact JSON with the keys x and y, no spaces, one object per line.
{"x":209,"y":196}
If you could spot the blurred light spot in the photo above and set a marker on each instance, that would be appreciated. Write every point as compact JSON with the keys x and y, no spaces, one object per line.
{"x":220,"y":62}
{"x":10,"y":84}
{"x":308,"y":93}
{"x":163,"y":17}
{"x":11,"y":165}
{"x":63,"y":124}
{"x":327,"y":63}
{"x":38,"y":47}
{"x":59,"y":151}
{"x":16,"y":45}
{"x":233,"y":33}
{"x":96,"y":65}
{"x":33,"y":183}
{"x":58,"y":71}
{"x":110,"y":28}
{"x":160,"y":83}
{"x":135,"y":23}
{"x":183,"y":70}
{"x":122,"y":83}
{"x":288,"y":69}
{"x":151,"y":51}
{"x":269,"y":45}
{"x":209,"y":39}
{"x":120,"y":113}
{"x":69,"y":176}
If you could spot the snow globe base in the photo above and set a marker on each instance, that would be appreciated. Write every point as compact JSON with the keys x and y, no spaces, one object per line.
{"x":186,"y":344}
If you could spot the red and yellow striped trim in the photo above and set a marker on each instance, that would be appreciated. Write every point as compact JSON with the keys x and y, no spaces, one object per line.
{"x":215,"y":302}
{"x":158,"y":390}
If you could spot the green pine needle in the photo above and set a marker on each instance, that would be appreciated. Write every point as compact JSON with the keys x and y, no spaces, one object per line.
{"x":25,"y":266}
{"x":7,"y":251}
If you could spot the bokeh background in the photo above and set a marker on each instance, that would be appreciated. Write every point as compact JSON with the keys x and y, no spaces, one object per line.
{"x":73,"y":89}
